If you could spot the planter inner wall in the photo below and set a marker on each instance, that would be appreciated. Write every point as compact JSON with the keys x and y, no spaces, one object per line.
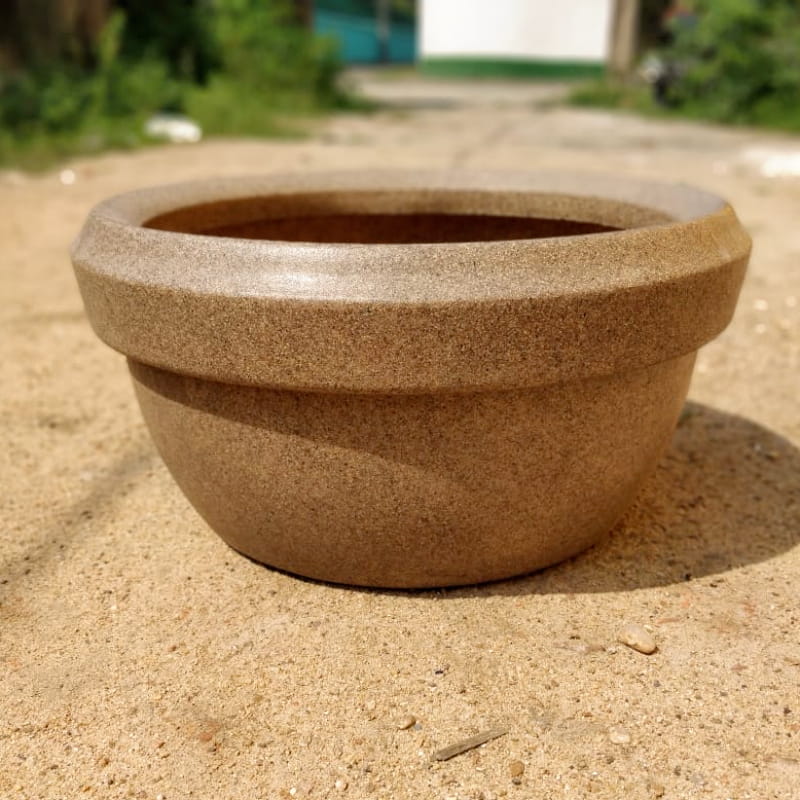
{"x":359,"y":217}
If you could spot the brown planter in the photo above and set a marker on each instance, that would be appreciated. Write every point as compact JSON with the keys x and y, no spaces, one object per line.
{"x":411,"y":379}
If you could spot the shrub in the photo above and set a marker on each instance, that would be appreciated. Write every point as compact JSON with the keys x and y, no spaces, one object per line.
{"x":268,"y":67}
{"x":65,"y":98}
{"x":261,"y":46}
{"x":739,"y":62}
{"x":235,"y":67}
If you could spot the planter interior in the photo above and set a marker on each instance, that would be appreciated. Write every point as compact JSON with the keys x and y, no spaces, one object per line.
{"x":400,"y":379}
{"x":345,"y":218}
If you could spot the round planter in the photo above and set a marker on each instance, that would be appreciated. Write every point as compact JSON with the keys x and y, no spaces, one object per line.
{"x":411,"y":379}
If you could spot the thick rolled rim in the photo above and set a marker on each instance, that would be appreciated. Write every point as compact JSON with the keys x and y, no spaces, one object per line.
{"x":675,"y":272}
{"x":271,"y":268}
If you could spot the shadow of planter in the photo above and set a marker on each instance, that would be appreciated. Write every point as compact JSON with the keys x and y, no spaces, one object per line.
{"x":726,"y":495}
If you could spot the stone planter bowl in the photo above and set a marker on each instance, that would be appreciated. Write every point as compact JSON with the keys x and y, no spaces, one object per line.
{"x":411,"y":379}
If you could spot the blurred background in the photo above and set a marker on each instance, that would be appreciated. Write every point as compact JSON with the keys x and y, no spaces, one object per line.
{"x":81,"y":76}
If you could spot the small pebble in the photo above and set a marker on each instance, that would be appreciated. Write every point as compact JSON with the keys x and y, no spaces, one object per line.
{"x":516,"y":769}
{"x":404,"y":723}
{"x":341,"y":784}
{"x":619,"y":736}
{"x":638,"y":638}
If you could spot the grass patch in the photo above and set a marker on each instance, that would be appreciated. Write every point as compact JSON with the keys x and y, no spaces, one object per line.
{"x":638,"y":98}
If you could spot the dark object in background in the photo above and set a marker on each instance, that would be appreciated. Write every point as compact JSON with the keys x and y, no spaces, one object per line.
{"x":175,"y":32}
{"x":662,"y":75}
{"x":40,"y":31}
{"x":664,"y":71}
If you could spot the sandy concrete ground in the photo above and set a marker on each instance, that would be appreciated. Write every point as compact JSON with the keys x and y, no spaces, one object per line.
{"x":140,"y":657}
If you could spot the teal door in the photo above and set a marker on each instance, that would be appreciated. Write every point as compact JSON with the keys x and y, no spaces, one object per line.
{"x":354,"y":25}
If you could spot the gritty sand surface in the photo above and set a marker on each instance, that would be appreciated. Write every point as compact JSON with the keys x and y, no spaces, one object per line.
{"x":140,"y":657}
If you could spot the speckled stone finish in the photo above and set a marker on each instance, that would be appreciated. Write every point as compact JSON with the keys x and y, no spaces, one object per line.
{"x":406,"y":379}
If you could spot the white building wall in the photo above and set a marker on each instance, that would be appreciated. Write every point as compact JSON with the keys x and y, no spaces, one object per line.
{"x":534,"y":30}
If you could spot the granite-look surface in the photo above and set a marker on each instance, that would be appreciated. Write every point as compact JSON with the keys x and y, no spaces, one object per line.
{"x":398,"y":379}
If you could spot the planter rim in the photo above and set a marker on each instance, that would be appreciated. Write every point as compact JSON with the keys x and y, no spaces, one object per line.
{"x":450,"y":316}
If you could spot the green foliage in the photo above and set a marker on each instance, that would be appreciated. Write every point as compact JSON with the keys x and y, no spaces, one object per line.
{"x":77,"y":109}
{"x":262,"y":48}
{"x":239,"y":67}
{"x":604,"y":93}
{"x":226,"y":107}
{"x":740,"y":62}
{"x":733,"y":61}
{"x":269,"y":67}
{"x":175,"y":32}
